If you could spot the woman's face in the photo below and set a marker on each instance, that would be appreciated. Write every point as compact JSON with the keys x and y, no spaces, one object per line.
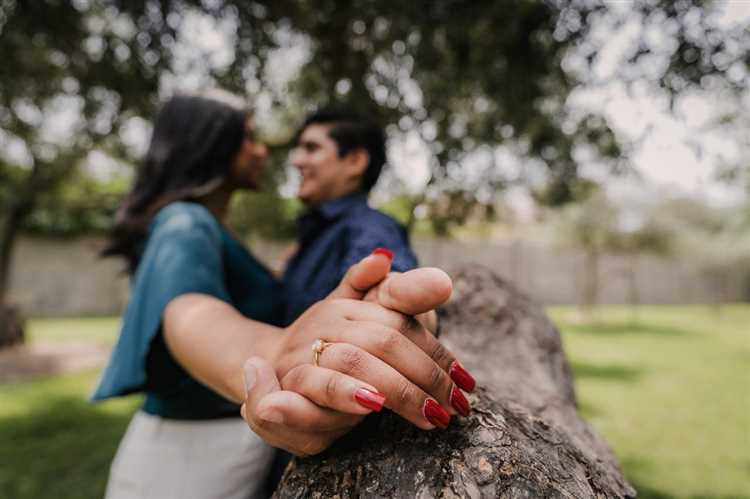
{"x":248,"y":165}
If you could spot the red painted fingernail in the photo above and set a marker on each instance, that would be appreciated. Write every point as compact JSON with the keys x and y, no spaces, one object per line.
{"x":383,"y":251}
{"x":459,"y":402}
{"x":369,"y":399}
{"x":461,"y":377}
{"x":435,"y":414}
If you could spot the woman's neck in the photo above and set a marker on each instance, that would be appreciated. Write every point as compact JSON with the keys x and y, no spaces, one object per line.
{"x":217,"y":202}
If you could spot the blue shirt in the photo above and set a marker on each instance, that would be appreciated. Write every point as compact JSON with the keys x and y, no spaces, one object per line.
{"x":186,"y":251}
{"x":332,"y":237}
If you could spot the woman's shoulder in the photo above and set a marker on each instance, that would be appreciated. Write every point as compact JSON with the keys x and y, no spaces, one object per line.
{"x":182,"y":216}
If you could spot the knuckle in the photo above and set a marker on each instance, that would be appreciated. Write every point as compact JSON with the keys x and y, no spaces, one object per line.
{"x":404,"y":325}
{"x":350,"y":359}
{"x":294,"y":378}
{"x":404,"y":394}
{"x":437,"y":378}
{"x":440,"y":354}
{"x":389,"y":341}
{"x":331,"y":388}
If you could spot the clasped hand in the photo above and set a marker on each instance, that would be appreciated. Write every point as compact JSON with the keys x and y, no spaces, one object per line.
{"x":375,"y":355}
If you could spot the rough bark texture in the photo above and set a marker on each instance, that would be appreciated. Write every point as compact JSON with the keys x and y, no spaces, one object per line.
{"x":523,"y":439}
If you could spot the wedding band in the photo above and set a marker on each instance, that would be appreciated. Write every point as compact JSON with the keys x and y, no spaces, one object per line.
{"x":317,"y":347}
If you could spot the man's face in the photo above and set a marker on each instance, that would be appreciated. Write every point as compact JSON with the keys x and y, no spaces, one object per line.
{"x":325,"y":176}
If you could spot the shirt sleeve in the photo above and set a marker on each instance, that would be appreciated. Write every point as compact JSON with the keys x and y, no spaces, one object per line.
{"x":183,"y":254}
{"x":379,"y":233}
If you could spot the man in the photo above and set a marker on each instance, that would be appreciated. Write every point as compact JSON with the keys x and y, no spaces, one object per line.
{"x":339,"y":155}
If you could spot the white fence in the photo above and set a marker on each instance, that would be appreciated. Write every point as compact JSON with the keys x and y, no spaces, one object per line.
{"x":54,"y":277}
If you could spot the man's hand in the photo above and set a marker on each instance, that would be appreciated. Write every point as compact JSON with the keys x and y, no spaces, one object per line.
{"x":375,"y":355}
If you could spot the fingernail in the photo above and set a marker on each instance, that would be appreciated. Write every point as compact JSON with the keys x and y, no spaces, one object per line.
{"x":272,"y":416}
{"x":435,"y":414}
{"x":369,"y":399}
{"x":250,"y":375}
{"x":383,"y":251}
{"x":459,"y":402}
{"x":461,"y":377}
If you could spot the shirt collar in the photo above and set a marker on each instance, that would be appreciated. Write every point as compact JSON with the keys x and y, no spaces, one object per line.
{"x":336,"y":207}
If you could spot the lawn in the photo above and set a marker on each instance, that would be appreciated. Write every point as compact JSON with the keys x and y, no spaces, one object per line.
{"x":669,"y":388}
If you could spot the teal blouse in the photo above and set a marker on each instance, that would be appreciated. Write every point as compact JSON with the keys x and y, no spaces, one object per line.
{"x":186,"y":251}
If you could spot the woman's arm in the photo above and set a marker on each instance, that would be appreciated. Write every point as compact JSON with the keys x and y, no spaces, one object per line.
{"x":212,"y":340}
{"x":370,"y":348}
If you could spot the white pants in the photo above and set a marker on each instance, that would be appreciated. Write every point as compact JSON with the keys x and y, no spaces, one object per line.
{"x":169,"y":459}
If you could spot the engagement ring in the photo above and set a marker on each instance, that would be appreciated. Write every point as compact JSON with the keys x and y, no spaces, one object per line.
{"x":317,"y":347}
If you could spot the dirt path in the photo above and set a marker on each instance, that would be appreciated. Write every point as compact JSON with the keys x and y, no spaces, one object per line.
{"x":26,"y":362}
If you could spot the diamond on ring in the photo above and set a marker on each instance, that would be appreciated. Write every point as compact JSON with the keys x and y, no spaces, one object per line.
{"x":317,"y":347}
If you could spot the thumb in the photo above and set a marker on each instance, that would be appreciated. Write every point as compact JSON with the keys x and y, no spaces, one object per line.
{"x":260,"y":380}
{"x":416,"y":291}
{"x":363,"y":275}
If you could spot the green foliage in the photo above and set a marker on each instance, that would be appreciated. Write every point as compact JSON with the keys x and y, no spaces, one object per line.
{"x":79,"y":205}
{"x":465,"y":76}
{"x":264,"y":214}
{"x":596,"y":225}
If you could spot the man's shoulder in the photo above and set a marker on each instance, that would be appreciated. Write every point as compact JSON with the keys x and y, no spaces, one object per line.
{"x":365,"y":217}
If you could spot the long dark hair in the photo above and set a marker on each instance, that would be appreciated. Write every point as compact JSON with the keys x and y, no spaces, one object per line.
{"x":193,"y":144}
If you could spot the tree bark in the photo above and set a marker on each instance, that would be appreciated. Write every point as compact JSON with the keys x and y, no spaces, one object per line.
{"x":523,"y":439}
{"x":11,"y":324}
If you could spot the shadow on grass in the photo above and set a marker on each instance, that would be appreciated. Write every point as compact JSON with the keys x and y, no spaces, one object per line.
{"x":61,"y":450}
{"x":646,"y":492}
{"x":625,"y":328}
{"x":644,"y":468}
{"x":611,"y":372}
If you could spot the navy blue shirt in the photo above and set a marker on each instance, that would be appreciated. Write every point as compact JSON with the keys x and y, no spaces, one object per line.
{"x":332,"y":237}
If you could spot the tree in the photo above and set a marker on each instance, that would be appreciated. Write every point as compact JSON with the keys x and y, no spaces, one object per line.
{"x":74,"y":76}
{"x":594,"y":226}
{"x":523,"y":439}
{"x":469,"y":76}
{"x":716,"y":241}
{"x":464,"y":76}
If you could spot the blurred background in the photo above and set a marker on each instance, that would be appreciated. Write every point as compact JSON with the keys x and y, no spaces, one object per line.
{"x":595,"y":153}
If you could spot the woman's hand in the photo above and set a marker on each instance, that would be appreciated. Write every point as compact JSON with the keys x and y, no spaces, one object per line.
{"x":382,"y":347}
{"x":315,"y":408}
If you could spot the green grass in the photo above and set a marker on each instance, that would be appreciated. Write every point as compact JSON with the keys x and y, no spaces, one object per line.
{"x":669,"y":389}
{"x":55,"y":444}
{"x":96,"y":329}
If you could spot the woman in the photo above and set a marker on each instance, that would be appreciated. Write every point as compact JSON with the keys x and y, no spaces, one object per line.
{"x":201,"y":305}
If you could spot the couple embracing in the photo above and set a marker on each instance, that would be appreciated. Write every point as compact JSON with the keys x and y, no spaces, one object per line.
{"x":235,"y":364}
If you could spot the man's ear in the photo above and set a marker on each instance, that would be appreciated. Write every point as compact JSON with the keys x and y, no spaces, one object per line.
{"x":356,"y":162}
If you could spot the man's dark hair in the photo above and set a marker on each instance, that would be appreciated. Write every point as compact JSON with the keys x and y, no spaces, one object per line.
{"x":352,"y":131}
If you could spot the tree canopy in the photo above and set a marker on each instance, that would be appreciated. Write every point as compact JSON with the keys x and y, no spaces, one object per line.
{"x":465,"y":77}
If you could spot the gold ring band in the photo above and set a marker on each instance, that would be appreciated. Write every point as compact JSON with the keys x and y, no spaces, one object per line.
{"x":317,"y":347}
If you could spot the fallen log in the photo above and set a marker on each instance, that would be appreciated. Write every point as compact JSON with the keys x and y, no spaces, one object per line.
{"x":524,"y":437}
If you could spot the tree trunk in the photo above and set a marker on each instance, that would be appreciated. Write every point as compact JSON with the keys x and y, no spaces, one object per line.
{"x":523,"y":439}
{"x":590,"y":289}
{"x":14,"y":212}
{"x":11,"y":325}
